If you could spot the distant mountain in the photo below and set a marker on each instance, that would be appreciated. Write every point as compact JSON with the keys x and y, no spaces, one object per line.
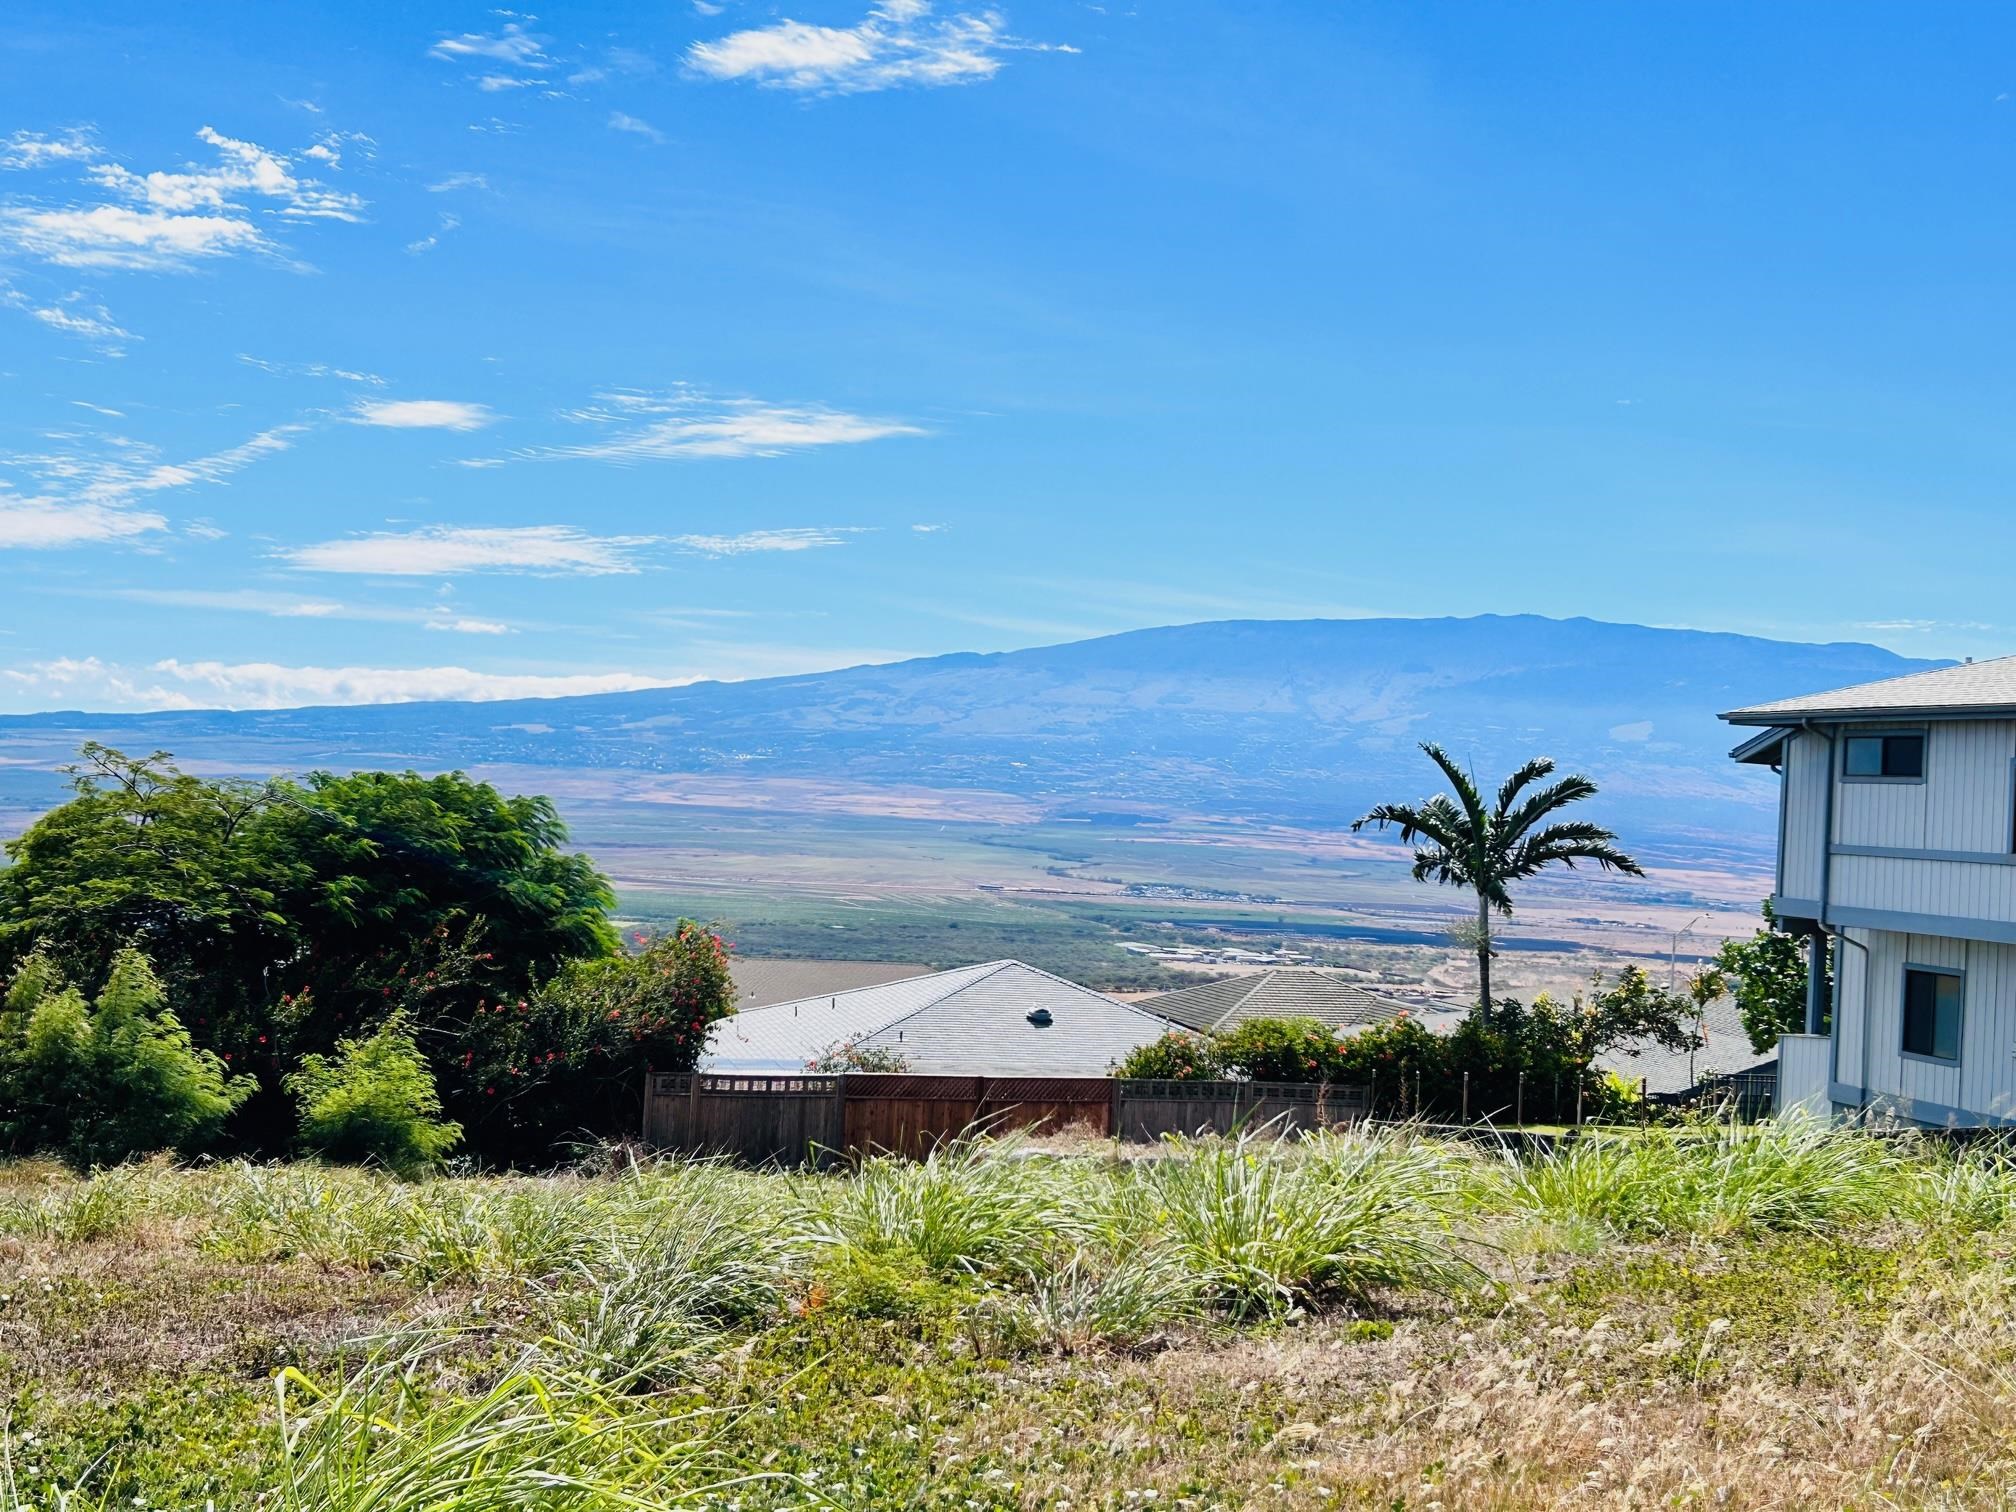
{"x":1301,"y":721}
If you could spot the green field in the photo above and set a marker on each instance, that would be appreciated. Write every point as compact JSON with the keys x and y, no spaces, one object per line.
{"x":1771,"y":1319}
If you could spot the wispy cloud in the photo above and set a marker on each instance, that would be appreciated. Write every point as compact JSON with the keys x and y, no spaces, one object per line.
{"x":686,"y":423}
{"x":618,"y":121}
{"x":513,"y":46}
{"x":423,"y":414}
{"x":273,"y":605}
{"x":443,"y":551}
{"x":81,"y":497}
{"x":900,"y":43}
{"x":311,"y":370}
{"x":804,"y":538}
{"x":177,"y":684}
{"x":927,"y":529}
{"x":74,"y":315}
{"x":165,"y":221}
{"x":32,"y":149}
{"x":432,"y":239}
{"x":456,"y":181}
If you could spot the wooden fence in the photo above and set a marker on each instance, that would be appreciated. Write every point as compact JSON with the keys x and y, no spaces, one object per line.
{"x":792,"y":1120}
{"x":1150,"y":1109}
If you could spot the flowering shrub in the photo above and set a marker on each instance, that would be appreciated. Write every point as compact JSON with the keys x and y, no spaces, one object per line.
{"x":1282,"y":1050}
{"x":1177,"y":1056}
{"x":845,"y":1055}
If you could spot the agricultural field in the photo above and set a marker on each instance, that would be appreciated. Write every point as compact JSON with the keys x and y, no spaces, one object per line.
{"x":1068,"y":896}
{"x":1781,"y":1317}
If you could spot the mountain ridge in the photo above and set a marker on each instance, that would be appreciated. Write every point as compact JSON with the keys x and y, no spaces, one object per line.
{"x":1300,"y":720}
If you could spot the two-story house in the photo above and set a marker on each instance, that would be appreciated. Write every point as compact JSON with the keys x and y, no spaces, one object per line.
{"x":1897,"y":840}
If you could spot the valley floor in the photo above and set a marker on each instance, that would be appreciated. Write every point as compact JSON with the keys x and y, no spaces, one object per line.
{"x":1787,"y":1319}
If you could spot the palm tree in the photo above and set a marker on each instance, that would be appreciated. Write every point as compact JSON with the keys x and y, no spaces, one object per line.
{"x":1464,"y":844}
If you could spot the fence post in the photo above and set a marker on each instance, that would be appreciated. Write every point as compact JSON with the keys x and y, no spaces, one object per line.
{"x":1417,"y":1091}
{"x":689,"y":1144}
{"x":1580,"y":1082}
{"x":1519,"y":1103}
{"x":1466,"y":1097}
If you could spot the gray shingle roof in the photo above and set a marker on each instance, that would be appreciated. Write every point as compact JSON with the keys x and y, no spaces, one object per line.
{"x":972,"y":1021}
{"x":1301,"y":992}
{"x":760,"y":982}
{"x":1987,"y":686}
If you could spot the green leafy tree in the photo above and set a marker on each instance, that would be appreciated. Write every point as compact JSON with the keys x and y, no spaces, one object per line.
{"x":1177,"y":1056}
{"x":374,"y":1100}
{"x":1462,"y":841}
{"x":117,"y":1078}
{"x":300,"y":914}
{"x":1768,"y":975}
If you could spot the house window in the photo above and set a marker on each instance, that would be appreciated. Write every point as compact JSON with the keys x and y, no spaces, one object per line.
{"x":1932,"y":1013}
{"x":1873,"y":758}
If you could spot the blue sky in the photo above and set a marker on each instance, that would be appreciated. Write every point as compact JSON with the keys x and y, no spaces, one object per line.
{"x":349,"y":356}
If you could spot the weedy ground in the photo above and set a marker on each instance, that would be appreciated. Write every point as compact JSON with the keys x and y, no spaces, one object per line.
{"x":1780,"y":1318}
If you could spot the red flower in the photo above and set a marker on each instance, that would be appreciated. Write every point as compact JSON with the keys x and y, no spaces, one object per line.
{"x":489,"y":1091}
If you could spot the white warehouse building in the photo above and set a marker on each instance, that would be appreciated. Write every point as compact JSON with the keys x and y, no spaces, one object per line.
{"x":1897,"y":840}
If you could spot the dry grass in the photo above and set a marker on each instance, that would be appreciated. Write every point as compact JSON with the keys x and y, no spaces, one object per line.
{"x":1034,"y":1332}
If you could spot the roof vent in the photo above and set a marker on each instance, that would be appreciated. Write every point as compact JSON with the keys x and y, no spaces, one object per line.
{"x":1040,"y":1017}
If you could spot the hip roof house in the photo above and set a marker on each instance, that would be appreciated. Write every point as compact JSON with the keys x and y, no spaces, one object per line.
{"x":1303,"y":992}
{"x":998,"y":1019}
{"x":1897,"y":842}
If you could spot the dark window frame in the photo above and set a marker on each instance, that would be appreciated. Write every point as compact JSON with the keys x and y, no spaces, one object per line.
{"x":1957,"y":974}
{"x":1920,"y":733}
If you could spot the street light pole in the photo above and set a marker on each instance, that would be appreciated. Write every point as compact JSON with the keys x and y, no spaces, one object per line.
{"x":1673,"y":955}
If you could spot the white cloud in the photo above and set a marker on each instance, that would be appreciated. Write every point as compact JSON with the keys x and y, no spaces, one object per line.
{"x":440,"y":551}
{"x":493,"y":83}
{"x":42,"y":523}
{"x":927,"y":529}
{"x":618,"y":121}
{"x":686,"y":423}
{"x":424,"y":414}
{"x":112,"y":236}
{"x":177,"y":684}
{"x":167,"y":221}
{"x":32,"y":149}
{"x":899,"y":43}
{"x":805,"y":538}
{"x":456,"y":181}
{"x":99,"y":409}
{"x":464,"y":625}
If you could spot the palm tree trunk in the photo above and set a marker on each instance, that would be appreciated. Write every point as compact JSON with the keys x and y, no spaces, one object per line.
{"x":1484,"y":950}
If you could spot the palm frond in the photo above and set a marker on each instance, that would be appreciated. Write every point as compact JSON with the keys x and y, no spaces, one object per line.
{"x":1569,"y":842}
{"x":1532,"y":771}
{"x":1435,"y":820}
{"x":1556,"y":795}
{"x":1463,"y":785}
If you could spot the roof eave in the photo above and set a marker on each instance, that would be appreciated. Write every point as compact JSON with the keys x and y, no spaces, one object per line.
{"x":1793,"y":718}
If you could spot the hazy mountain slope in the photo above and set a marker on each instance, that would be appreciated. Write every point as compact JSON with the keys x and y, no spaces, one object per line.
{"x":1301,"y":720}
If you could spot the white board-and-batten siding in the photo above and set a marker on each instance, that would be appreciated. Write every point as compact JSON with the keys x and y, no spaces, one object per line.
{"x":1983,"y":1083}
{"x":1919,"y":873}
